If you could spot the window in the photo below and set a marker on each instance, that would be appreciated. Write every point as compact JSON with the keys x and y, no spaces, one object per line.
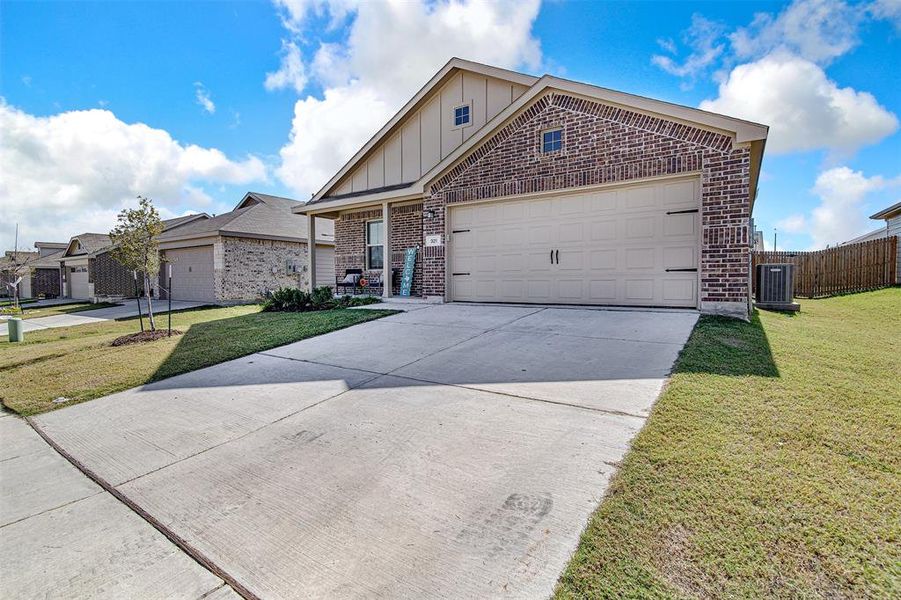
{"x":461,"y":115}
{"x":375,"y":245}
{"x":552,"y":140}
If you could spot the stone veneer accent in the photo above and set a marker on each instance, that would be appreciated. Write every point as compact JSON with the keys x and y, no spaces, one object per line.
{"x":246,"y":268}
{"x":608,"y":144}
{"x":406,"y":232}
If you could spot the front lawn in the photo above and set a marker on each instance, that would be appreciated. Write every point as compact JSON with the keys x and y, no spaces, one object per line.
{"x":770,"y":466}
{"x":79,"y":363}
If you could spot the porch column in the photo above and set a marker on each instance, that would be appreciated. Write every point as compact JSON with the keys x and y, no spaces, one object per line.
{"x":386,"y":258}
{"x":311,"y":250}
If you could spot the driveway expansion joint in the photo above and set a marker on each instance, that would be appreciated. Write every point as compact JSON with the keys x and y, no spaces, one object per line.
{"x":180,"y":542}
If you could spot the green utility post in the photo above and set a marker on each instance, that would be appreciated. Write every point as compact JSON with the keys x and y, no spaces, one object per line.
{"x":16,"y":333}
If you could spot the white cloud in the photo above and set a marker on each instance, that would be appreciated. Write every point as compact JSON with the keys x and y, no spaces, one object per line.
{"x":792,"y":224}
{"x":889,"y":10}
{"x":71,"y":172}
{"x":804,"y":109}
{"x":840,"y":217}
{"x":705,"y":40}
{"x":203,"y":98}
{"x":390,"y":51}
{"x":291,"y":73}
{"x":817,"y":30}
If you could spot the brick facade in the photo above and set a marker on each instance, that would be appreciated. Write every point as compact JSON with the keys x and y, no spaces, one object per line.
{"x":45,"y":282}
{"x":607,"y":144}
{"x":601,"y":144}
{"x":245,"y":268}
{"x":110,"y":277}
{"x":406,"y":232}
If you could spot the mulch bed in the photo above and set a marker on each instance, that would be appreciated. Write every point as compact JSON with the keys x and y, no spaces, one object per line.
{"x":143,"y":336}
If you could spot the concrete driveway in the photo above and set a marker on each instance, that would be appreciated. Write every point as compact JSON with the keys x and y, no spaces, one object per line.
{"x":127,"y":309}
{"x":450,"y":451}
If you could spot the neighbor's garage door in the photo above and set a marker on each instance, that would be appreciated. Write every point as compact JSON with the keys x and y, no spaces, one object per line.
{"x":78,"y":284}
{"x":635,"y":245}
{"x":192,"y":274}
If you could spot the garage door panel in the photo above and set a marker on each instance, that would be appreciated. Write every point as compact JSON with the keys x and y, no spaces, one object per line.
{"x":614,"y":247}
{"x":192,"y":273}
{"x":603,"y":231}
{"x":685,"y":224}
{"x":679,"y":290}
{"x":680,"y":257}
{"x":679,"y":193}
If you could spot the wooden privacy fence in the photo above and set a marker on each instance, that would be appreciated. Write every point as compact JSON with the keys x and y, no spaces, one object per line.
{"x":840,"y":270}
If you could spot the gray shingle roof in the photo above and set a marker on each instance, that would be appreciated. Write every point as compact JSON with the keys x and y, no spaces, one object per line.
{"x":258,"y":215}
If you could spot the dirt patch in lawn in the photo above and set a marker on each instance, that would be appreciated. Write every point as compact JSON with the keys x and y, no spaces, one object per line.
{"x":144,"y":336}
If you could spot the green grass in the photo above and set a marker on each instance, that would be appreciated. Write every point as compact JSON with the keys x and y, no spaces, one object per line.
{"x":79,"y":363}
{"x":770,"y":466}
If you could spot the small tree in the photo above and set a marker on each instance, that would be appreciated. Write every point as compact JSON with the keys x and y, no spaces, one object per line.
{"x":136,"y":246}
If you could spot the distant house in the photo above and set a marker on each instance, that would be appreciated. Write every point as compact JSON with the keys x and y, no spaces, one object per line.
{"x":240,"y":255}
{"x":89,"y":270}
{"x":892,"y":218}
{"x":46,"y":276}
{"x":14,"y":264}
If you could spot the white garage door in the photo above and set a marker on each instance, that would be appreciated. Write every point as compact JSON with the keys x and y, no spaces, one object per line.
{"x":325,"y":266}
{"x":78,"y":284}
{"x":635,"y":245}
{"x":192,"y":274}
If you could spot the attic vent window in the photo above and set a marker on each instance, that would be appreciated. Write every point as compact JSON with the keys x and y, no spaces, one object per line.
{"x":461,"y":115}
{"x":552,"y":140}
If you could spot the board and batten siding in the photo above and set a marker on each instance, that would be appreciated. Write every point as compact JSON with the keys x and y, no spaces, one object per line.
{"x":428,"y":135}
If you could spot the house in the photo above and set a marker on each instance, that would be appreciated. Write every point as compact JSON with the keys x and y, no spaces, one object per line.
{"x":46,"y":276}
{"x":14,"y":273}
{"x":543,"y":190}
{"x":89,"y":270}
{"x":240,"y":255}
{"x":892,"y":218}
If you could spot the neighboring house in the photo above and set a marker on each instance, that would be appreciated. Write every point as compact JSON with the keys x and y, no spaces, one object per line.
{"x":542,"y":190}
{"x":46,"y":276}
{"x":892,"y":218}
{"x":239,"y":256}
{"x":758,"y":241}
{"x":16,"y":265}
{"x":89,"y":270}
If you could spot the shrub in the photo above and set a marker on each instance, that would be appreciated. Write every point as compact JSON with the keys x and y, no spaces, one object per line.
{"x":297,"y":300}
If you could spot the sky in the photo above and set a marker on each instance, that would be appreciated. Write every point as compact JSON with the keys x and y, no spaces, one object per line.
{"x":196,"y":103}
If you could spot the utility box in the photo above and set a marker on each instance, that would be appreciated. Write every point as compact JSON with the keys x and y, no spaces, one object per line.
{"x":16,"y":331}
{"x":775,"y":287}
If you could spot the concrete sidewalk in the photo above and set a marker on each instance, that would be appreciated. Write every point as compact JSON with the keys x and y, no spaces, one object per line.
{"x":62,"y":536}
{"x":128,"y":309}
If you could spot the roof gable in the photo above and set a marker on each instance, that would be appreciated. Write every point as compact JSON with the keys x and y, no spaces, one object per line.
{"x":738,"y":131}
{"x":486,"y":99}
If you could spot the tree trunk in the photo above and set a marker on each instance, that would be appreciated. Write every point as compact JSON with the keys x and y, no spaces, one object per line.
{"x":147,"y":292}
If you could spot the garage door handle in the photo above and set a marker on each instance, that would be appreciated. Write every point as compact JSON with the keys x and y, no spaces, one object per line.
{"x":558,"y":257}
{"x":693,"y":270}
{"x":455,"y":274}
{"x":552,"y":257}
{"x":681,"y":212}
{"x":460,"y":231}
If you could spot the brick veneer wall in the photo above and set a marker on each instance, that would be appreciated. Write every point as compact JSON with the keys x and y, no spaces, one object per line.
{"x":607,"y":144}
{"x":406,"y":232}
{"x":253,"y":266}
{"x":46,"y":282}
{"x":110,"y":277}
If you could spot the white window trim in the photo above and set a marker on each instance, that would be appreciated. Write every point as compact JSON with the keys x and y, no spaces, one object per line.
{"x":454,"y":115}
{"x":541,"y":135}
{"x":367,"y":245}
